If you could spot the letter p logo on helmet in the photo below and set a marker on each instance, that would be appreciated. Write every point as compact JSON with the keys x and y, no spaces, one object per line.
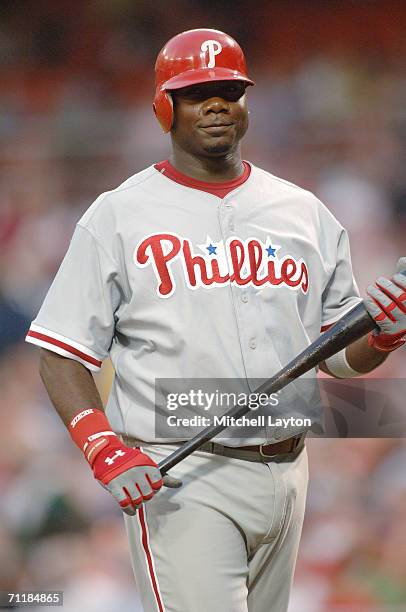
{"x":214,"y":48}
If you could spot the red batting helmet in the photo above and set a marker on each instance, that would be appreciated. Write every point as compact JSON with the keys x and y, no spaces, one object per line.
{"x":195,"y":56}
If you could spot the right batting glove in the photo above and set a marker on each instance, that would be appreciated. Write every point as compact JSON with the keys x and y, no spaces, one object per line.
{"x":130,"y":475}
{"x":386,"y":303}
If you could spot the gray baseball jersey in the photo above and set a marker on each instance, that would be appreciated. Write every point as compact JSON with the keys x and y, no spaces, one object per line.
{"x":174,"y":282}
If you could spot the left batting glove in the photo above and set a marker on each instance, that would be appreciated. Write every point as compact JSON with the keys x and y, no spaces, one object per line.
{"x":386,"y":303}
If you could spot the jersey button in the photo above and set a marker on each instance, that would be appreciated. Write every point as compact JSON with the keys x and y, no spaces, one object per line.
{"x":244,"y":298}
{"x":253,"y":343}
{"x":232,"y":227}
{"x":277,"y":434}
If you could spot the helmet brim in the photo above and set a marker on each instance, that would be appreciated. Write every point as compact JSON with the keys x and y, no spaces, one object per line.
{"x":205,"y":75}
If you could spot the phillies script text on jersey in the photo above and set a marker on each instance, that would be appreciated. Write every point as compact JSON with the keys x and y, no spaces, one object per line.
{"x":235,"y":261}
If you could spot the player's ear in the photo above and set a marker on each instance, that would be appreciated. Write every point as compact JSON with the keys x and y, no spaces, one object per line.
{"x":174,"y":104}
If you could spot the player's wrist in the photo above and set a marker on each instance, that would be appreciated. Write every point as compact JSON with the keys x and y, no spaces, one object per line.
{"x":91,"y":432}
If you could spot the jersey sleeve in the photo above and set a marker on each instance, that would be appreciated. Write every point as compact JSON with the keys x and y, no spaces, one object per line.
{"x":341,"y":293}
{"x":77,"y":316}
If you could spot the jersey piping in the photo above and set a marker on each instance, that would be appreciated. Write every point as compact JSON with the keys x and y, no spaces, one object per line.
{"x":63,"y":346}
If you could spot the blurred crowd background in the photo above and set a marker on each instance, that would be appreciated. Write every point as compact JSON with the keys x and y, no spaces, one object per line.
{"x":328,"y":112}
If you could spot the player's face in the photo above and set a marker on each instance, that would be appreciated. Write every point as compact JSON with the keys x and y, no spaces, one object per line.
{"x":210,"y":118}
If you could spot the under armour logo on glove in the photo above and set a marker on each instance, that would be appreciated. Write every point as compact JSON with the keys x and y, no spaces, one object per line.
{"x":110,"y":460}
{"x":386,"y":303}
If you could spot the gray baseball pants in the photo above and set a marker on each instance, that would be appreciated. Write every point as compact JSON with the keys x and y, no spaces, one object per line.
{"x":226,"y":541}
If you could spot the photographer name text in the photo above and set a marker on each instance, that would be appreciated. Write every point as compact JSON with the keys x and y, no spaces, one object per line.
{"x":243,"y":421}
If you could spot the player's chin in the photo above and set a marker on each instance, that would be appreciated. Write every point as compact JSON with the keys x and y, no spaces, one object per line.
{"x":217,"y":145}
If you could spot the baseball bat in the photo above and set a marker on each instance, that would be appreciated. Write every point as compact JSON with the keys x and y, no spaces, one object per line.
{"x":347,"y":330}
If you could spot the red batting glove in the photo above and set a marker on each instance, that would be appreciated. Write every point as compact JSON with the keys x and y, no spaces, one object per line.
{"x":127,"y":473}
{"x":386,"y":303}
{"x":130,"y":475}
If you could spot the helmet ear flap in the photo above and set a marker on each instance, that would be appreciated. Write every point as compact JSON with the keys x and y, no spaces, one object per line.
{"x":163,"y":109}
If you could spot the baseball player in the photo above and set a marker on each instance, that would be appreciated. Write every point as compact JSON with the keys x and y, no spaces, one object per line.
{"x":203,"y":266}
